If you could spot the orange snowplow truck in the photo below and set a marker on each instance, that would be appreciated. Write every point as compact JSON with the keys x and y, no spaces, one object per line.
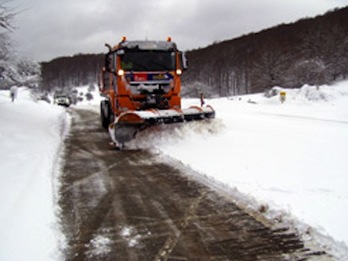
{"x":141,"y":86}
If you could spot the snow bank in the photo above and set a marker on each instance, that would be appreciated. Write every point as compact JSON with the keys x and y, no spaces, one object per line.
{"x":31,"y":135}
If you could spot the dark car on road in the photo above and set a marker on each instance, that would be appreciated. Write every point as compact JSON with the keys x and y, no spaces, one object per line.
{"x":62,"y":100}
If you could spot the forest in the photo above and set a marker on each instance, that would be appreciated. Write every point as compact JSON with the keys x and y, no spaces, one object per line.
{"x":69,"y":72}
{"x":310,"y":51}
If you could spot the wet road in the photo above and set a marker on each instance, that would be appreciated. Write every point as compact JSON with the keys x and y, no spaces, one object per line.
{"x":128,"y":205}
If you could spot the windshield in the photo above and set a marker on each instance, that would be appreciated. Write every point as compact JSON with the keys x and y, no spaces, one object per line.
{"x":148,"y":61}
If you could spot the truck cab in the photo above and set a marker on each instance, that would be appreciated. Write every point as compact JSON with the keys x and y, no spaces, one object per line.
{"x":141,"y":75}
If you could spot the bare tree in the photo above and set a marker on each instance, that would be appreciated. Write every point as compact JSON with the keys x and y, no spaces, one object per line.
{"x":14,"y":70}
{"x":267,"y":69}
{"x":5,"y":46}
{"x":6,"y":17}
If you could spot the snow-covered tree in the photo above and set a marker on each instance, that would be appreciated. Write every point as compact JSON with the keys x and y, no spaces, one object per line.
{"x":5,"y":16}
{"x":5,"y":27}
{"x":14,"y":70}
{"x":6,"y":71}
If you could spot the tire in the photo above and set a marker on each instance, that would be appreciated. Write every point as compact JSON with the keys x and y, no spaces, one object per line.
{"x":105,"y":112}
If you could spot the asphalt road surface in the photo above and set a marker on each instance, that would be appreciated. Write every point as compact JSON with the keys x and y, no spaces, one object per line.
{"x":128,"y":205}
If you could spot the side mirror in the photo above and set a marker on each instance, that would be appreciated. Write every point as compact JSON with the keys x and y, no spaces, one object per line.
{"x":103,"y":80}
{"x":184,"y":61}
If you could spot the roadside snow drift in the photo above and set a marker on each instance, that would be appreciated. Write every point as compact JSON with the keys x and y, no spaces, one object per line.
{"x":31,"y":135}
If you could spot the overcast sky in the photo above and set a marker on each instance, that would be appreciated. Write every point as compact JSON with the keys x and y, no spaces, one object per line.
{"x":46,"y":29}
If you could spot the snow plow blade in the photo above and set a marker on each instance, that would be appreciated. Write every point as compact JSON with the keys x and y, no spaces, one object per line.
{"x":129,"y":123}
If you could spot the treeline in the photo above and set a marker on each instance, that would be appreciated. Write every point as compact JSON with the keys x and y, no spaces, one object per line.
{"x":310,"y":51}
{"x":68,"y":72}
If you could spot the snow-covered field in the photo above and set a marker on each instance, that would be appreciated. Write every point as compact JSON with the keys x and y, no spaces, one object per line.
{"x":289,"y":158}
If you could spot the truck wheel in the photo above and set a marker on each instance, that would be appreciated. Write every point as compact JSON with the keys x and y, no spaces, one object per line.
{"x":105,"y":114}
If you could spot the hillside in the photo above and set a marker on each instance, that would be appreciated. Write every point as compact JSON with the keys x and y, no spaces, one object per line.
{"x":310,"y":51}
{"x":65,"y":72}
